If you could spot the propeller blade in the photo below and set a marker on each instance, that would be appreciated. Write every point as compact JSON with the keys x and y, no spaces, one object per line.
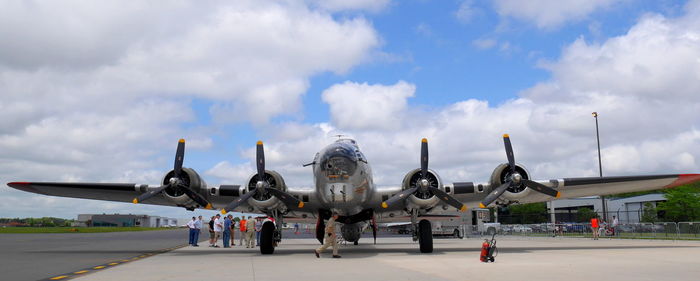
{"x":424,"y":157}
{"x":449,"y":199}
{"x":494,"y":195}
{"x":541,"y":188}
{"x":260,"y":160}
{"x":235,"y":203}
{"x":148,"y":195}
{"x":287,"y":199}
{"x":196,"y":197}
{"x":179,"y":157}
{"x":509,"y":152}
{"x":398,"y":197}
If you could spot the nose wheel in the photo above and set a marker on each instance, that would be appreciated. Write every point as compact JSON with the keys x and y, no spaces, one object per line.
{"x":267,"y":241}
{"x":425,"y":236}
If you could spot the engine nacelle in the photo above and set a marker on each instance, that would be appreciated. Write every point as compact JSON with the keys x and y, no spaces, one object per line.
{"x":266,"y":201}
{"x":513,"y":193}
{"x":421,"y":199}
{"x":189,"y":178}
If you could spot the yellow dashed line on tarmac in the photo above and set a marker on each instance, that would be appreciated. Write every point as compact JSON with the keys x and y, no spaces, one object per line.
{"x":115,"y":263}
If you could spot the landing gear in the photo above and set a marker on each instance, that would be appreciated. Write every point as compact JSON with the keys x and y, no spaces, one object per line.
{"x":355,"y":243}
{"x":425,"y":236}
{"x":267,"y":241}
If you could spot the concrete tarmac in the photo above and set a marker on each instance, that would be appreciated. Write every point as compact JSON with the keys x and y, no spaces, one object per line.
{"x":398,"y":258}
{"x":43,"y":255}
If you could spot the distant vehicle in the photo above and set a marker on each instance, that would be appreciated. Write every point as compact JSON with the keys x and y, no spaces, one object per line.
{"x":521,"y":228}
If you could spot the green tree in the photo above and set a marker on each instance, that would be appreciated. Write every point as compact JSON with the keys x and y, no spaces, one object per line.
{"x":649,"y":213}
{"x":585,"y":214}
{"x":528,"y":213}
{"x":682,"y":203}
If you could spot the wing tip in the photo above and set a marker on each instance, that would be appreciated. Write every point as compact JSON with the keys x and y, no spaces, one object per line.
{"x":558,"y":194}
{"x":385,"y":205}
{"x":481,"y":205}
{"x":684,"y":179}
{"x":300,"y":205}
{"x":135,"y":201}
{"x":208,"y":207}
{"x":223,"y":211}
{"x":463,"y":209}
{"x":18,"y":184}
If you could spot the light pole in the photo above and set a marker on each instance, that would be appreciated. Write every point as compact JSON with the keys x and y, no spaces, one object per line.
{"x":600,"y":164}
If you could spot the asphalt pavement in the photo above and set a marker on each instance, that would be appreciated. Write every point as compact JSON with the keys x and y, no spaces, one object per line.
{"x":37,"y":256}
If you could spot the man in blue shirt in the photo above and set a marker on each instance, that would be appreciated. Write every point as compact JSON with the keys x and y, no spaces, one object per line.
{"x":227,"y":231}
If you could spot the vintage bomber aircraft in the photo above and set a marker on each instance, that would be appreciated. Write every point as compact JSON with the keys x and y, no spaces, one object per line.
{"x":343,"y":184}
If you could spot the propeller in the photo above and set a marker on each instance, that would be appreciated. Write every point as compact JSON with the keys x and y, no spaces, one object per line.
{"x":515,"y":179}
{"x":263,"y":186}
{"x":423,"y":185}
{"x":176,"y":182}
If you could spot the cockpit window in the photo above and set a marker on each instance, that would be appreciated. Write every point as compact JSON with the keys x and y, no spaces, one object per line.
{"x":339,"y":161}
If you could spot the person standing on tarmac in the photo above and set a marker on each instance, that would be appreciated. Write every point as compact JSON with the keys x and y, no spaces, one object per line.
{"x":250,"y":231}
{"x":190,"y":225}
{"x":198,"y":227}
{"x":594,"y":227}
{"x":233,"y":232}
{"x":241,"y":228}
{"x":227,"y":232}
{"x":330,"y":240}
{"x":258,"y":228}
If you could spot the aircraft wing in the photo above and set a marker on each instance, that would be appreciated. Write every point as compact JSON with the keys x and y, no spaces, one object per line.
{"x":572,"y":188}
{"x":118,"y":192}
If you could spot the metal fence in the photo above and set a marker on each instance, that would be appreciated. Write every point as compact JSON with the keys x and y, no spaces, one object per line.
{"x":657,"y":230}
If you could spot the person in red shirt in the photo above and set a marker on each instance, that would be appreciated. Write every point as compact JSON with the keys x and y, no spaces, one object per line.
{"x":595,"y":227}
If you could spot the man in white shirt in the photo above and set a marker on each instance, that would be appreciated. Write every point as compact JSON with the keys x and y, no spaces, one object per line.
{"x":614,"y":225}
{"x":198,"y":229}
{"x":190,"y":225}
{"x":218,"y":227}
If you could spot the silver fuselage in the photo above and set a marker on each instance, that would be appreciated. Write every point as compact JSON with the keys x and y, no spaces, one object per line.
{"x":343,"y":178}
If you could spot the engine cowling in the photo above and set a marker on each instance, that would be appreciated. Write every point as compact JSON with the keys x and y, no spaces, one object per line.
{"x":265,"y":200}
{"x":423,"y":199}
{"x":189,"y":178}
{"x":499,"y":176}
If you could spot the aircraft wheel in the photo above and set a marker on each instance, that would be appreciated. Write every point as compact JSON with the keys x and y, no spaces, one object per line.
{"x":355,"y":242}
{"x":266,"y":238}
{"x":425,"y":236}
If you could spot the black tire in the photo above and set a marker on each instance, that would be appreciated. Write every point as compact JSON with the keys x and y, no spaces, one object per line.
{"x":425,"y":236}
{"x":355,"y":243}
{"x":455,"y":234}
{"x":266,"y":240}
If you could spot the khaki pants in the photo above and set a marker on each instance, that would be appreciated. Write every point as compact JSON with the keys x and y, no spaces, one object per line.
{"x":250,"y":239}
{"x":329,"y":241}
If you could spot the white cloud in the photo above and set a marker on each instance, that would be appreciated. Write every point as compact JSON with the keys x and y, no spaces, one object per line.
{"x":484,"y":43}
{"x":550,"y":14}
{"x":355,"y":5}
{"x":363,"y":106}
{"x":466,"y":11}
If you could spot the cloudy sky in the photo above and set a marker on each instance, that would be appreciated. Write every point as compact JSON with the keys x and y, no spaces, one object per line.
{"x":102,"y":90}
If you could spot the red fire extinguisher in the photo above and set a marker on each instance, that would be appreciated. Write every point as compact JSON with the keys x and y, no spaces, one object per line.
{"x":489,"y":250}
{"x":485,"y":251}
